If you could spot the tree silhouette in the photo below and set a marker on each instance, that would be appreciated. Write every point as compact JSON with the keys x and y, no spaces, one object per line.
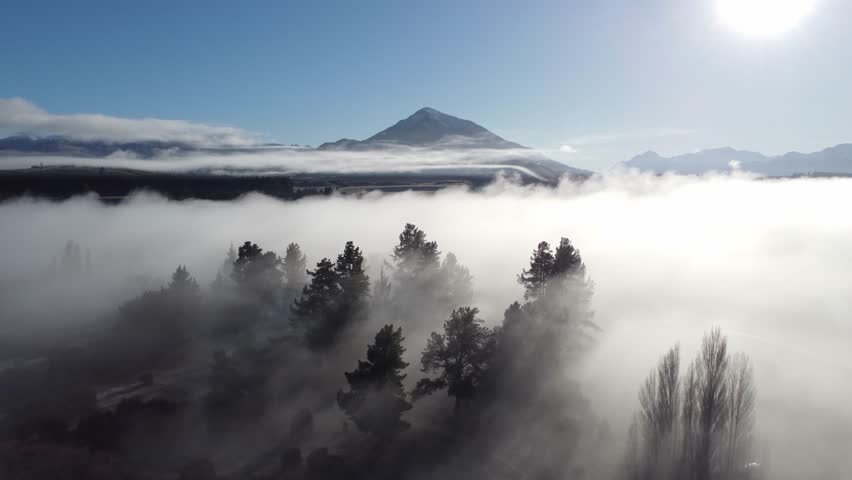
{"x":414,"y":253}
{"x":659,"y":400}
{"x":223,"y":275}
{"x":460,"y":356}
{"x":697,"y":427}
{"x":336,"y":297}
{"x":456,"y":282}
{"x":354,"y":283}
{"x":294,"y":267}
{"x":711,"y":372}
{"x":182,"y":282}
{"x":537,"y":338}
{"x":740,"y":409}
{"x":535,"y":279}
{"x":257,"y":271}
{"x":318,"y":299}
{"x":376,"y":398}
{"x":567,"y":260}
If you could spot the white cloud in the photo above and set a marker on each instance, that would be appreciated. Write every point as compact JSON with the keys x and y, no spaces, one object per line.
{"x":567,"y":149}
{"x":20,"y":115}
{"x":290,"y":161}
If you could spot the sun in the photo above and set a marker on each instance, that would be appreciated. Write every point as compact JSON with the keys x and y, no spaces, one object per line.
{"x":763,"y":17}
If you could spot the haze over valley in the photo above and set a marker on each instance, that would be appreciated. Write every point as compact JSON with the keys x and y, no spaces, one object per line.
{"x":397,"y":241}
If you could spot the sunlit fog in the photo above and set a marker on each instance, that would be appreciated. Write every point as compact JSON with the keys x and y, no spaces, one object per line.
{"x":670,"y":258}
{"x":382,"y":240}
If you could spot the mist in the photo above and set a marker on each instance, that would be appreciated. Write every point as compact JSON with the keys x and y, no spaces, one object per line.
{"x":767,"y":261}
{"x":290,"y":160}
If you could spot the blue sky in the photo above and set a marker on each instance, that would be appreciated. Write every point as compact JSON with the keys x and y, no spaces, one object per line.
{"x":609,"y":78}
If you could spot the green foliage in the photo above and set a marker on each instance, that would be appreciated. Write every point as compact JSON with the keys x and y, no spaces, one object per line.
{"x":551,"y":273}
{"x":460,"y":356}
{"x":376,"y":398}
{"x":320,"y":294}
{"x":354,"y":283}
{"x":335,"y":298}
{"x":535,"y":279}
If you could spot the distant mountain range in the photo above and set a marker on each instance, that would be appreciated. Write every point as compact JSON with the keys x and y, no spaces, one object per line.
{"x":834,"y":160}
{"x":426,"y":128}
{"x":431,"y":130}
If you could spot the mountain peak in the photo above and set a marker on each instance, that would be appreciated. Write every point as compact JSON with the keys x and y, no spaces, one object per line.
{"x":428,"y":111}
{"x":429,"y":128}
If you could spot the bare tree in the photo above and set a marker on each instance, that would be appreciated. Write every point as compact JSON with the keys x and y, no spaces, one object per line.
{"x":711,"y":372}
{"x":668,"y":404}
{"x":648,"y":422}
{"x":689,"y":423}
{"x":633,"y":455}
{"x":659,"y":400}
{"x":741,"y":406}
{"x":699,"y":426}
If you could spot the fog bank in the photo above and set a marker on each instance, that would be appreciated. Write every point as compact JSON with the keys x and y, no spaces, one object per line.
{"x":767,"y":261}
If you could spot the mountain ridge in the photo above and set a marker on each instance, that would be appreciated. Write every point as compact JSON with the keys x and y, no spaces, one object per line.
{"x":835,"y":159}
{"x":425,"y":129}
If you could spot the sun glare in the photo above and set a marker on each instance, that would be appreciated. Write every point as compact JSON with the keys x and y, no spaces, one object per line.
{"x":763,"y":17}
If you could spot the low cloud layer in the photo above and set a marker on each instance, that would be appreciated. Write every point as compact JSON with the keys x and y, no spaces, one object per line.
{"x":296,"y":160}
{"x":21,"y":116}
{"x":767,"y":261}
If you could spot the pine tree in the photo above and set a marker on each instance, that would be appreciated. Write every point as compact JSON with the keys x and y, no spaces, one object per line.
{"x":335,"y":299}
{"x":224,"y":277}
{"x":182,"y":282}
{"x":376,"y":398}
{"x":316,"y":309}
{"x":320,"y":293}
{"x":535,"y":279}
{"x":414,"y":253}
{"x":567,"y":261}
{"x":350,"y":270}
{"x":294,"y":267}
{"x":257,"y":271}
{"x":456,"y":282}
{"x":460,"y":356}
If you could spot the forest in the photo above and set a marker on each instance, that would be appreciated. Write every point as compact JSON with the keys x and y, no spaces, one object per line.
{"x":280,"y":369}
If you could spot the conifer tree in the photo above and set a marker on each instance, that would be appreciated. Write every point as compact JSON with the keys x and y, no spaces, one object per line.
{"x":414,"y":253}
{"x":294,"y":267}
{"x":376,"y":398}
{"x":460,"y":356}
{"x":456,"y":282}
{"x":354,"y":283}
{"x":535,"y":279}
{"x":182,"y":281}
{"x":335,"y":299}
{"x":257,"y":271}
{"x":224,"y":278}
{"x":320,"y":293}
